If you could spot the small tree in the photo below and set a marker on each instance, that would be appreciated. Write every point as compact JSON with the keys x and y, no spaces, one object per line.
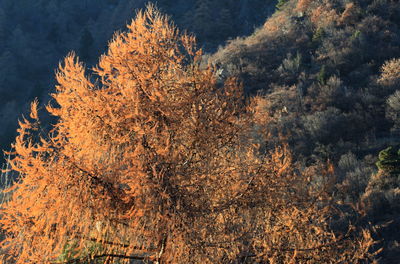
{"x":390,"y":74}
{"x":389,"y":161}
{"x":153,"y":161}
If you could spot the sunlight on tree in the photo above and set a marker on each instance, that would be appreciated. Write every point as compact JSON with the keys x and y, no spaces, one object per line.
{"x":151,"y":159}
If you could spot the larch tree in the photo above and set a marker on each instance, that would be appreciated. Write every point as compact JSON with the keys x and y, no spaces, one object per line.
{"x":152,"y":159}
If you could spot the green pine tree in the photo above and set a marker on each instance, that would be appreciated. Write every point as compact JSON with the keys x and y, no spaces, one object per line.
{"x":389,"y":160}
{"x":203,"y":22}
{"x":322,"y":76}
{"x":225,"y":23}
{"x":85,"y":45}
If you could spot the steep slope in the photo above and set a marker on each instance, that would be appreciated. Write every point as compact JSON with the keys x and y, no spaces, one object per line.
{"x":323,"y":63}
{"x":329,"y":72}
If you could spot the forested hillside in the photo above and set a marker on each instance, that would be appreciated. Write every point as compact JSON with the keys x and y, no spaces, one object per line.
{"x":329,"y":73}
{"x":273,"y":137}
{"x":36,"y":35}
{"x":329,"y":70}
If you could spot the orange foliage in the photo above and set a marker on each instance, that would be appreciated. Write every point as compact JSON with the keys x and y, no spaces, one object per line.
{"x":323,"y":16}
{"x":390,"y":73}
{"x":349,"y":15}
{"x":303,"y":5}
{"x":277,"y":22}
{"x":151,"y":159}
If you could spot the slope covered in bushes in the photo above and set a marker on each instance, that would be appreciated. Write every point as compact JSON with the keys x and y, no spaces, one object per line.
{"x":153,"y":159}
{"x":196,"y":155}
{"x":329,"y":72}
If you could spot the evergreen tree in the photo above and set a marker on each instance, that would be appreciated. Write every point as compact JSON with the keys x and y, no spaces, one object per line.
{"x":85,"y":45}
{"x":8,"y":76}
{"x":203,"y":21}
{"x":225,"y":24}
{"x":53,"y":34}
{"x":389,"y":160}
{"x":3,"y":28}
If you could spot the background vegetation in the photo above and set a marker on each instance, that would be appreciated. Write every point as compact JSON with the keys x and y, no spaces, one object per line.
{"x":35,"y":35}
{"x":320,"y":77}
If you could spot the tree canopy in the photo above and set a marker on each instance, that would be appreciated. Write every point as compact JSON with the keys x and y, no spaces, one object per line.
{"x":152,"y":158}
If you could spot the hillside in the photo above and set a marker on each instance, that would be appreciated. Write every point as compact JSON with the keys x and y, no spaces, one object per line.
{"x":320,"y":59}
{"x":330,"y":72}
{"x":36,"y":35}
{"x":271,"y":137}
{"x":154,"y":157}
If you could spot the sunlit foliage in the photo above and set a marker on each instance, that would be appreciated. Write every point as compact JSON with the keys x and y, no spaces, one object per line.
{"x":152,"y":159}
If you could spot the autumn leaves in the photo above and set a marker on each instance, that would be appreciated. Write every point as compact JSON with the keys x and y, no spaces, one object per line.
{"x":166,"y":161}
